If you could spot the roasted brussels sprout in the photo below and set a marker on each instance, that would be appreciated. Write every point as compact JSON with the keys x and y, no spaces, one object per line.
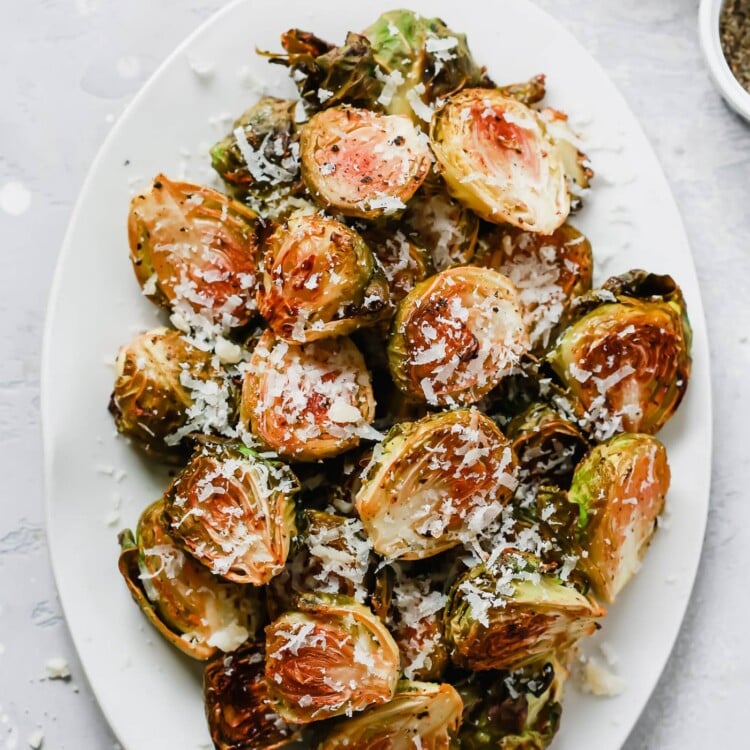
{"x":259,"y":159}
{"x":423,"y":61}
{"x":627,"y":360}
{"x":498,"y":158}
{"x":331,"y":657}
{"x":512,"y":710}
{"x":548,"y":446}
{"x":446,"y":228}
{"x":326,"y":75}
{"x":421,"y":715}
{"x":360,"y":163}
{"x":456,"y":335}
{"x":234,"y":512}
{"x":320,"y":280}
{"x":193,"y":610}
{"x":196,"y":251}
{"x":308,"y":401}
{"x":238,"y":706}
{"x":417,"y":627}
{"x":153,"y":401}
{"x":435,"y":483}
{"x":527,"y":92}
{"x":619,"y":488}
{"x":548,"y":271}
{"x":509,"y":614}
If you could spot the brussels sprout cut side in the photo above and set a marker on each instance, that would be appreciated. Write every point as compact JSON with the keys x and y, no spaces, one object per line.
{"x":320,"y":280}
{"x":196,"y":251}
{"x":234,"y":512}
{"x":331,"y":657}
{"x":619,"y":488}
{"x":421,"y":714}
{"x":435,"y":483}
{"x":195,"y":611}
{"x":238,"y":704}
{"x":510,"y":614}
{"x":308,"y":401}
{"x":362,"y":164}
{"x":456,"y":335}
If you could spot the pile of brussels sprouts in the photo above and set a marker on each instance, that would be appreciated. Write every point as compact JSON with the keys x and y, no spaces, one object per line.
{"x":415,"y":448}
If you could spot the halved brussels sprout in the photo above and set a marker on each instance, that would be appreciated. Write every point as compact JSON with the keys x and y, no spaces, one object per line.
{"x":512,"y":710}
{"x":195,"y":250}
{"x":332,"y":657}
{"x":417,"y":627}
{"x":326,"y":75}
{"x":423,"y":61}
{"x":435,"y":483}
{"x":195,"y":611}
{"x":154,"y":393}
{"x":404,"y":263}
{"x":443,"y":225}
{"x":548,"y":271}
{"x":259,"y":159}
{"x":620,"y":489}
{"x":421,"y":715}
{"x":360,"y":163}
{"x":234,"y":511}
{"x":498,"y":158}
{"x":308,"y":401}
{"x":628,"y":359}
{"x":510,"y":614}
{"x":320,"y":280}
{"x":456,"y":335}
{"x":238,"y":705}
{"x":548,"y":446}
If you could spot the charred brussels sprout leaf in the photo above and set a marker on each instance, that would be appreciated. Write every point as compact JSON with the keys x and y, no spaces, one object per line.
{"x":331,"y":657}
{"x":193,"y":610}
{"x":308,"y":401}
{"x":196,"y":251}
{"x":498,"y":158}
{"x":510,"y":614}
{"x":527,"y":92}
{"x":627,"y":360}
{"x":238,"y":706}
{"x":421,"y":714}
{"x":153,"y":393}
{"x":259,"y":159}
{"x":327,"y":76}
{"x":619,"y":488}
{"x":421,"y":60}
{"x":362,"y":164}
{"x":456,"y":335}
{"x":549,"y":271}
{"x":512,"y":710}
{"x":233,"y":511}
{"x":434,"y":483}
{"x":320,"y":280}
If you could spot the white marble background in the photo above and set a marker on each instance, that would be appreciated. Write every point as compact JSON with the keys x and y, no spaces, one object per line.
{"x":69,"y":67}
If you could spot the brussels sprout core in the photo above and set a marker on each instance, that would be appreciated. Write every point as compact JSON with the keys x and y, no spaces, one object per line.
{"x":333,"y":657}
{"x":320,"y":280}
{"x":456,"y":335}
{"x":498,"y":159}
{"x":234,"y":512}
{"x":421,"y":715}
{"x":509,"y":614}
{"x":308,"y":401}
{"x":435,"y":483}
{"x":195,"y":250}
{"x":619,"y":489}
{"x":359,"y":163}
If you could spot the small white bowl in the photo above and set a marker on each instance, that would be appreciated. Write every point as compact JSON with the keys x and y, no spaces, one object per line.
{"x":729,"y":87}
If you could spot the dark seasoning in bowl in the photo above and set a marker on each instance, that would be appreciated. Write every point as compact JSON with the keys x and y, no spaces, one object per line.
{"x":734,"y":29}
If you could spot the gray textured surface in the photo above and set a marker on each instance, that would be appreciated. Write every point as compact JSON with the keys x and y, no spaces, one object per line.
{"x":68,"y":68}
